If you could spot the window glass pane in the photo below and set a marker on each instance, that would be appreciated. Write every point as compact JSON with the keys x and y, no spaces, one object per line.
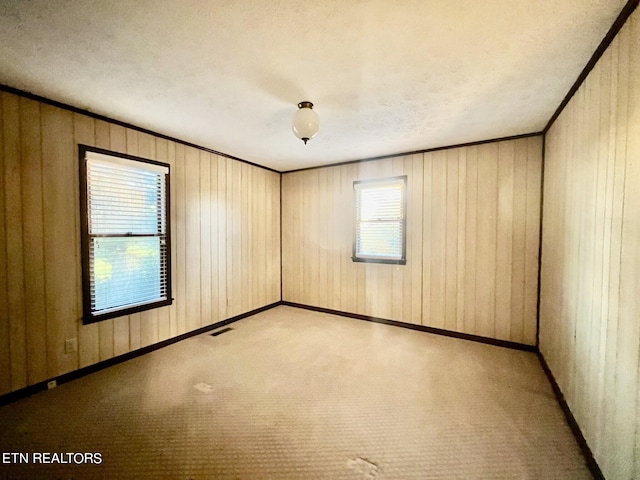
{"x":126,"y":271}
{"x":380,"y":239}
{"x":381,"y":203}
{"x":125,"y":240}
{"x":380,"y":219}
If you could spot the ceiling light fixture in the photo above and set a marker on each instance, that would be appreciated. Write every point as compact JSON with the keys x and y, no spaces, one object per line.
{"x":305,"y":122}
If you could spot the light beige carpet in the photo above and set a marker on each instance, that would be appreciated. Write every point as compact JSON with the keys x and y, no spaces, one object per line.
{"x":293,"y":394}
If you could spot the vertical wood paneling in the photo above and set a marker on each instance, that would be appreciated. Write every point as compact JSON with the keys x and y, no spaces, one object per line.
{"x":192,"y":228}
{"x":427,"y":252}
{"x":275,"y":264}
{"x":467,"y":210}
{"x":5,"y":338}
{"x":594,"y":231}
{"x":601,"y":261}
{"x":260,"y":245}
{"x":288,"y":234}
{"x":245,"y":251}
{"x":242,"y":288}
{"x":518,"y":241}
{"x":412,"y":276}
{"x":323,"y":237}
{"x":270,"y":192}
{"x":223,"y":228}
{"x":213,"y":239}
{"x":205,"y":239}
{"x":451,"y":239}
{"x":618,"y":136}
{"x":40,"y":242}
{"x":438,"y":240}
{"x":263,"y":199}
{"x":486,"y":229}
{"x":471,"y":197}
{"x":461,"y":240}
{"x":532,"y":239}
{"x":88,"y":335}
{"x":232,"y":234}
{"x":589,"y":310}
{"x":180,"y":240}
{"x":400,"y":292}
{"x":333,"y":290}
{"x":630,"y":301}
{"x":61,"y":248}
{"x":234,"y":240}
{"x":350,"y":294}
{"x":255,"y":265}
{"x":628,"y":349}
{"x":310,"y":199}
{"x":245,"y":243}
{"x":34,"y":287}
{"x":14,"y":233}
{"x":606,"y":177}
{"x":504,"y":241}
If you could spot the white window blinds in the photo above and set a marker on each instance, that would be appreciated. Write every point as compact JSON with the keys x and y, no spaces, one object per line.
{"x":127,"y":234}
{"x":380,"y":220}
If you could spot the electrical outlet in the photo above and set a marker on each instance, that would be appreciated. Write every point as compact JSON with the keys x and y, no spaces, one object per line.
{"x":52,"y":384}
{"x":70,"y":345}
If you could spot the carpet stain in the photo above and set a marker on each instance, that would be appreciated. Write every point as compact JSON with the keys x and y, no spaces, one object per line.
{"x":203,"y":387}
{"x":365,"y":467}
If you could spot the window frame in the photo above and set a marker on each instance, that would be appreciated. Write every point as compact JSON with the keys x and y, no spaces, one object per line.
{"x":370,"y":259}
{"x":88,"y":316}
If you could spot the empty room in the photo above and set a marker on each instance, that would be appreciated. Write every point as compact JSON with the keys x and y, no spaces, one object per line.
{"x":263,"y":239}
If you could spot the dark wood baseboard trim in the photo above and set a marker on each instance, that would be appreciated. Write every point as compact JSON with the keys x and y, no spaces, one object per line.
{"x":420,"y":328}
{"x":594,"y":468}
{"x":67,"y":377}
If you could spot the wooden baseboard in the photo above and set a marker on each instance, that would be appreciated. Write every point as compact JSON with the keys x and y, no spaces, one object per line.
{"x":67,"y":377}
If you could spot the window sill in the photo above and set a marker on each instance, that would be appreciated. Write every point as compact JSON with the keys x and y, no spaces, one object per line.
{"x":387,"y":261}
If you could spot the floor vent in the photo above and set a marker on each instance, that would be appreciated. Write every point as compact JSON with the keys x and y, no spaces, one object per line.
{"x":220,"y":332}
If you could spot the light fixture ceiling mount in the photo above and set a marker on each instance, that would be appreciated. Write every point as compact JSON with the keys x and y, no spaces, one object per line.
{"x":305,"y":122}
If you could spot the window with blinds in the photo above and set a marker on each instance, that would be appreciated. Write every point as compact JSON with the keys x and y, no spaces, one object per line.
{"x":380,"y":221}
{"x":125,"y":234}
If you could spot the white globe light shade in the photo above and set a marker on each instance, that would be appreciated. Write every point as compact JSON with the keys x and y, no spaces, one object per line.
{"x":305,"y":122}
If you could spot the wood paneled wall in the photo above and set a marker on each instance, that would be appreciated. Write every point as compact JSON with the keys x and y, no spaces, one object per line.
{"x":225,"y":220}
{"x":472,"y":240}
{"x":590,"y":284}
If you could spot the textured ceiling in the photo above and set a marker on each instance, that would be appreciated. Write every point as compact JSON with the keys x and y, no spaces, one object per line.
{"x":385,"y":76}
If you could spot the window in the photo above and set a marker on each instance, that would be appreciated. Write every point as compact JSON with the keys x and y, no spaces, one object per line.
{"x":380,"y":224}
{"x":125,"y":234}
